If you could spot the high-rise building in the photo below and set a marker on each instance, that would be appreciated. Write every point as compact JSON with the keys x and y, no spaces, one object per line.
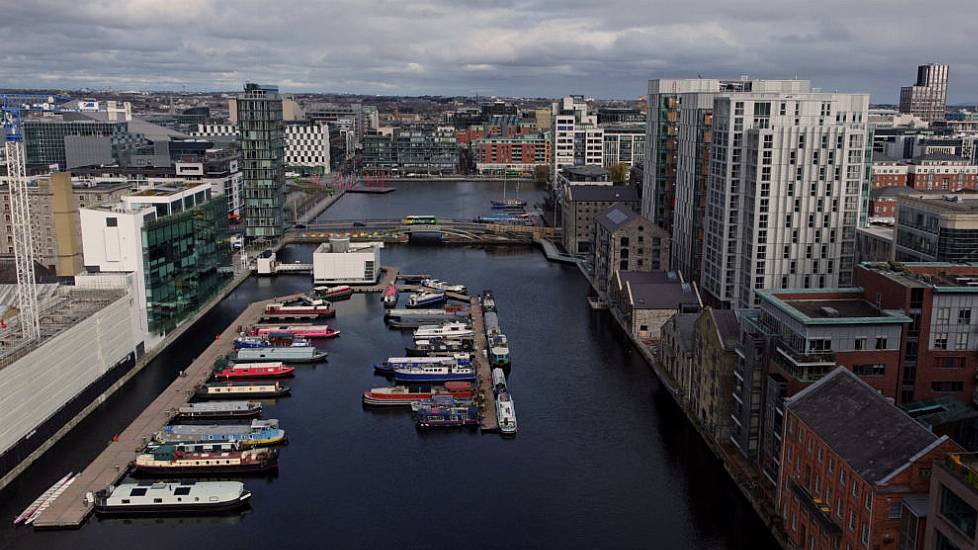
{"x":577,"y":139}
{"x":259,"y":111}
{"x":787,"y":175}
{"x":307,"y":144}
{"x":933,"y":227}
{"x":927,"y":98}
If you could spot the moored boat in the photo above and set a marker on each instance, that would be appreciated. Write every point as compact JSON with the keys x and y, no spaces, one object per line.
{"x":259,"y":433}
{"x":254,"y":370}
{"x":341,"y":292}
{"x":414,"y":318}
{"x":242,"y":390}
{"x":226,"y":410}
{"x":447,"y":417}
{"x":488,"y":301}
{"x":317,"y":310}
{"x":394,"y":363}
{"x":161,"y":498}
{"x":390,"y":296}
{"x":405,"y":395}
{"x":439,"y":346}
{"x":499,"y":351}
{"x":435,"y":284}
{"x":271,"y":340}
{"x":305,"y":354}
{"x":439,"y":401}
{"x":445,"y":330}
{"x":305,"y":330}
{"x":434,"y":373}
{"x":505,"y":413}
{"x":169,"y":460}
{"x":426,"y":299}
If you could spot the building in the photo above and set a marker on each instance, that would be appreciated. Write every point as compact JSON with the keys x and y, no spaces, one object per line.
{"x":928,"y":172}
{"x":883,"y":204}
{"x":676,"y":354}
{"x":952,"y":514}
{"x":716,"y":333}
{"x":936,"y":228}
{"x":581,"y":204}
{"x":621,"y":115}
{"x":582,"y":175}
{"x":625,"y":241}
{"x":623,"y":145}
{"x":788,"y":175}
{"x":853,"y":464}
{"x":259,"y":112}
{"x":174,"y":239}
{"x":341,"y":262}
{"x":645,"y":301}
{"x":68,"y":144}
{"x":426,"y":149}
{"x":307,"y":144}
{"x":55,"y":229}
{"x":499,"y":155}
{"x":874,"y":243}
{"x":577,"y":138}
{"x":927,"y":98}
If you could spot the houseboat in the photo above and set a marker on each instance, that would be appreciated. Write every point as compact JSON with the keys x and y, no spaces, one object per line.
{"x":414,"y":318}
{"x":506,"y":413}
{"x":405,"y":395}
{"x":161,"y":498}
{"x":243,"y":390}
{"x":426,"y":299}
{"x":429,"y":347}
{"x":390,"y":296}
{"x":499,"y":351}
{"x":272,"y":340}
{"x":304,"y":330}
{"x":453,"y":330}
{"x":225,"y":410}
{"x":394,"y":363}
{"x":488,"y":301}
{"x":434,"y":373}
{"x":318,"y":309}
{"x":285,"y":355}
{"x":260,"y":433}
{"x":167,"y":460}
{"x":341,"y":292}
{"x":442,"y":286}
{"x":447,"y":417}
{"x":254,"y":370}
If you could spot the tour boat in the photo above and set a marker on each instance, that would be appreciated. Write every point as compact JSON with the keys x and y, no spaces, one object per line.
{"x":168,"y":460}
{"x":285,"y":310}
{"x":447,"y":417}
{"x":259,"y":433}
{"x":242,"y":390}
{"x":426,"y":299}
{"x":394,"y":363}
{"x":302,"y":330}
{"x":29,"y":511}
{"x":254,"y":370}
{"x":434,"y":373}
{"x":428,"y":347}
{"x":340,"y":292}
{"x":226,"y":410}
{"x":405,"y":395}
{"x":445,"y":330}
{"x":509,"y":204}
{"x":390,"y":296}
{"x":435,"y":284}
{"x":488,"y":301}
{"x":305,"y":354}
{"x":272,"y":340}
{"x":505,"y":413}
{"x":158,"y":498}
{"x":499,"y":351}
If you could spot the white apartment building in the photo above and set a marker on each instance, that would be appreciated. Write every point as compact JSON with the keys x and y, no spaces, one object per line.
{"x":307,"y":144}
{"x":786,"y":180}
{"x":577,"y":139}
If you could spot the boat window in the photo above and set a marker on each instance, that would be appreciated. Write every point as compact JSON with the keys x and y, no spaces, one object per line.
{"x":158,"y":500}
{"x":181,"y":491}
{"x":125,"y":501}
{"x":137,"y":492}
{"x":196,"y":499}
{"x":212,"y":499}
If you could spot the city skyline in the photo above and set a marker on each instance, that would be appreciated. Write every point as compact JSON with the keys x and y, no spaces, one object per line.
{"x":529,"y":49}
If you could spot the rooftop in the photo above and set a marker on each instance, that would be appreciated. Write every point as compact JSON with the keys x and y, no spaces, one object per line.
{"x":617,"y":216}
{"x":658,"y":290}
{"x":959,"y":203}
{"x":587,"y":171}
{"x":602,"y":193}
{"x":875,"y":438}
{"x":830,"y":306}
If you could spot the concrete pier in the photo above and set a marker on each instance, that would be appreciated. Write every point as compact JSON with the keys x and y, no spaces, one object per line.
{"x":488,"y":421}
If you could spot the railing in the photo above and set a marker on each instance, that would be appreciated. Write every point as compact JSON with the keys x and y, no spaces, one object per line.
{"x":960,"y":465}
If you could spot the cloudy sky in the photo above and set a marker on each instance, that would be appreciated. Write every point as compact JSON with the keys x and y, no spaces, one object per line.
{"x":490,"y":47}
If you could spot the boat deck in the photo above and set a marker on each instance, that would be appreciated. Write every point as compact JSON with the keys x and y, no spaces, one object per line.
{"x":71,"y":508}
{"x":487,"y":399}
{"x":457,"y":296}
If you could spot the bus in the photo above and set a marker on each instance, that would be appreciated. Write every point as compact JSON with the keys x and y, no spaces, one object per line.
{"x":420,"y":220}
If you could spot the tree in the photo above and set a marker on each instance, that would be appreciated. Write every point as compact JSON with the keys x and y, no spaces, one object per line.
{"x":541,"y":173}
{"x":618,"y":173}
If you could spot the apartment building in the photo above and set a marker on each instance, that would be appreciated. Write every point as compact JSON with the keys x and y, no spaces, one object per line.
{"x":260,"y":119}
{"x":307,"y":144}
{"x":577,"y":138}
{"x":934,"y":227}
{"x":927,"y":97}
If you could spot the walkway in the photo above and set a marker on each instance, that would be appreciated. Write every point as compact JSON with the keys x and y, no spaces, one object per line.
{"x":388,"y":277}
{"x":553,"y":254}
{"x":487,"y":399}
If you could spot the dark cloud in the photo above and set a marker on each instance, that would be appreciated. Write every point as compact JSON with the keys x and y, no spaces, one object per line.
{"x":530,"y":47}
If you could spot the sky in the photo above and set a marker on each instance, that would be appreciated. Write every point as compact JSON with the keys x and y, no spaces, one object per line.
{"x":529,"y":48}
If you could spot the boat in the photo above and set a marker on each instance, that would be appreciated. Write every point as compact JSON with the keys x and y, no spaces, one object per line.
{"x":491,"y":321}
{"x":272,"y":340}
{"x":405,"y":395}
{"x":504,"y":219}
{"x":33,"y":506}
{"x":304,"y":330}
{"x":445,"y":330}
{"x":414,"y":318}
{"x":509,"y":204}
{"x":394,"y":363}
{"x":168,"y":460}
{"x":499,"y":351}
{"x":179,"y":497}
{"x":434,"y":373}
{"x":426,"y":299}
{"x":428,"y":347}
{"x":435,"y":284}
{"x":341,"y":292}
{"x":488,"y":301}
{"x":198,"y":446}
{"x":284,"y":311}
{"x":305,"y":354}
{"x":254,"y":370}
{"x":390,"y":296}
{"x":227,"y":410}
{"x":260,"y":433}
{"x":505,"y":413}
{"x":439,"y":401}
{"x":49,"y":500}
{"x":242,"y":390}
{"x":498,"y":380}
{"x":447,"y":417}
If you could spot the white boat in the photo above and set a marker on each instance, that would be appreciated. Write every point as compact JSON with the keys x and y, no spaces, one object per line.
{"x":426,"y":299}
{"x":171,"y":498}
{"x":498,"y":380}
{"x":40,"y":500}
{"x":435,"y":284}
{"x":445,"y":330}
{"x":506,"y":413}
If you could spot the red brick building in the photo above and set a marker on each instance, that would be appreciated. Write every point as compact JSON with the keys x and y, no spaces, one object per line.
{"x":851,"y":461}
{"x":934,"y":172}
{"x":521,"y":153}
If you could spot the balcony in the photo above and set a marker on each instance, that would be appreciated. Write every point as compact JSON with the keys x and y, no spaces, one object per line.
{"x":963,"y":466}
{"x":804,"y":367}
{"x":817,"y":510}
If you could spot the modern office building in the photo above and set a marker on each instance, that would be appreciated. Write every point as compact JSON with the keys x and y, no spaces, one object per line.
{"x":577,"y":138}
{"x":933,"y":227}
{"x":623,"y":145}
{"x":926,"y":98}
{"x":787,"y":178}
{"x":68,"y":144}
{"x":426,"y":149}
{"x":307,"y":144}
{"x":262,"y":128}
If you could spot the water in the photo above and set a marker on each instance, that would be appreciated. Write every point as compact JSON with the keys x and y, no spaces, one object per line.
{"x":604,"y":458}
{"x":458,"y":200}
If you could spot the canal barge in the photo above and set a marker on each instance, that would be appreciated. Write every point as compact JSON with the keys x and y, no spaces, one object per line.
{"x":405,"y":395}
{"x":241,"y":390}
{"x":304,"y":330}
{"x":254,"y":370}
{"x":260,"y":433}
{"x":167,"y":460}
{"x":226,"y":410}
{"x":424,"y":299}
{"x":394,"y":363}
{"x":434,"y":373}
{"x":342,"y":292}
{"x":452,"y":330}
{"x":162,"y":498}
{"x":284,"y":355}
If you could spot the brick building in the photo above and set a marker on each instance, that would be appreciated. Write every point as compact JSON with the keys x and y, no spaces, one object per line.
{"x":581,"y":204}
{"x":496,"y":154}
{"x":625,"y":241}
{"x":714,"y":346}
{"x":934,"y":171}
{"x":850,"y":463}
{"x":645,"y":301}
{"x":952,"y":517}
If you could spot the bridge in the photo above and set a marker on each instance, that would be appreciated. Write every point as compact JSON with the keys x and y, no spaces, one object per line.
{"x":394,"y":230}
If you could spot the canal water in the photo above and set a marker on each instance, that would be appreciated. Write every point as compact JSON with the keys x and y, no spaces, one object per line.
{"x":604,"y":458}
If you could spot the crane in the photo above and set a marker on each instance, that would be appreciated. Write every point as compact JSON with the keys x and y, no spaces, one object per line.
{"x":20,"y":214}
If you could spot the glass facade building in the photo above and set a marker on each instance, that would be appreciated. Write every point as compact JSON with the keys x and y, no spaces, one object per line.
{"x":263,"y":153}
{"x":44,"y":141}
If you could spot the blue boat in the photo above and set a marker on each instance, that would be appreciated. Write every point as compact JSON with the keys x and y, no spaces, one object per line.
{"x":509,"y":204}
{"x":271,"y":340}
{"x":441,"y":373}
{"x":393,"y":363}
{"x":426,"y":299}
{"x":447,"y":417}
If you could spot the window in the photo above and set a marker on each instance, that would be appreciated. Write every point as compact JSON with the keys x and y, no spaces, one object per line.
{"x":881,"y":342}
{"x":859,"y":344}
{"x":138,"y":492}
{"x":964,"y":316}
{"x":943,"y":314}
{"x":874,"y":369}
{"x":868,"y":501}
{"x":952,"y":386}
{"x":111,"y":222}
{"x":961,"y":340}
{"x":957,"y":512}
{"x":855,"y":488}
{"x":896,"y":512}
{"x":865,"y":534}
{"x":940,"y":340}
{"x":181,"y":491}
{"x":852,"y":520}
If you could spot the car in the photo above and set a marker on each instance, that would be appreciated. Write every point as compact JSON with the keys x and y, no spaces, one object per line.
{"x":300,"y":226}
{"x":359,"y":224}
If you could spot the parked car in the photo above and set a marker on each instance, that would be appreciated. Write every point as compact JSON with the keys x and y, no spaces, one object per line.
{"x":359,"y":224}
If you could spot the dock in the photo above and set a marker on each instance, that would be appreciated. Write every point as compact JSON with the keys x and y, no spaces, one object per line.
{"x":388,"y":277}
{"x":71,"y":509}
{"x":487,"y":399}
{"x":553,"y":254}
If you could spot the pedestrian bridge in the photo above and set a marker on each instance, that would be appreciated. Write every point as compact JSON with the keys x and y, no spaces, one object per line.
{"x":395,"y":230}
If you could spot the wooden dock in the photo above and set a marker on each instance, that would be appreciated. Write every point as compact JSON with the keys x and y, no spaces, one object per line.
{"x":71,"y":509}
{"x":389,"y":276}
{"x":487,"y":399}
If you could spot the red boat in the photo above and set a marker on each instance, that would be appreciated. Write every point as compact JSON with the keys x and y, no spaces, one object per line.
{"x":254,"y":370}
{"x":404,"y":395}
{"x":304,"y":330}
{"x":285,"y":310}
{"x":390,"y":296}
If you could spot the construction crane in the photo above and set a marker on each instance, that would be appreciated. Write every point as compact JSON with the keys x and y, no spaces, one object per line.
{"x":20,"y":213}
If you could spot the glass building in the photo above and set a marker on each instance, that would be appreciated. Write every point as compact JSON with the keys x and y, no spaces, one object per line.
{"x":44,"y":141}
{"x":262,"y":130}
